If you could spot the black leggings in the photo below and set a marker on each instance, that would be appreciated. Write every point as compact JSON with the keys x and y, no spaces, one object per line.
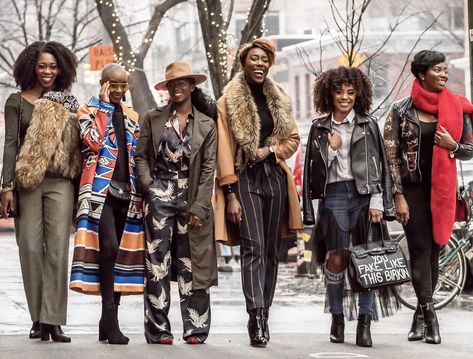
{"x":423,"y":251}
{"x":112,"y":223}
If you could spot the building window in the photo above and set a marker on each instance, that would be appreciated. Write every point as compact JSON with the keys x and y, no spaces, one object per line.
{"x":298,"y":97}
{"x":308,"y":103}
{"x":456,"y":17}
{"x":271,"y":23}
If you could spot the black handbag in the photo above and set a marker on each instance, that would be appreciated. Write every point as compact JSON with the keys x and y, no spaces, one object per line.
{"x":377,"y":264}
{"x":120,"y":190}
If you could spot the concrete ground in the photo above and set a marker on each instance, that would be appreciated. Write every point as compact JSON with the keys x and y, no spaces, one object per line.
{"x":298,"y":325}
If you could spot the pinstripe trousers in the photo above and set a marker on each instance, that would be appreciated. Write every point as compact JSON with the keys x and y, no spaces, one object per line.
{"x":262,"y":192}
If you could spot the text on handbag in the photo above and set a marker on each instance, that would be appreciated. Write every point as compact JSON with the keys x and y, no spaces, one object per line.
{"x":383,"y":269}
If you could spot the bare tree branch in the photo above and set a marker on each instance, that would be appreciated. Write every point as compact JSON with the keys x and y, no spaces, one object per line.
{"x":406,"y":61}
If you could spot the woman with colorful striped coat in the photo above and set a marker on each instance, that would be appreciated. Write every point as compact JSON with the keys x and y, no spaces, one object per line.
{"x":109,"y":243}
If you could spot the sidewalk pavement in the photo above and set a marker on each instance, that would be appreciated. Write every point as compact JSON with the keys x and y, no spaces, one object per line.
{"x":299,"y":328}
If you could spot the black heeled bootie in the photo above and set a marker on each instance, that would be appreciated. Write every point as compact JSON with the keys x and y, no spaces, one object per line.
{"x":256,"y":328}
{"x":35,"y":332}
{"x":363,"y":331}
{"x":337,"y":330}
{"x":431,"y":324}
{"x":116,"y":300}
{"x":108,"y":326}
{"x":265,"y":324}
{"x":53,"y":331}
{"x":417,"y":327}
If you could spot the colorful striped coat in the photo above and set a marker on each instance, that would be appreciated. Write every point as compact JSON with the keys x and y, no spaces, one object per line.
{"x":99,"y":151}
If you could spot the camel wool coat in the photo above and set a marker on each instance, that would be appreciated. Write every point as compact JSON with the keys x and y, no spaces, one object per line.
{"x":238,"y":139}
{"x":201,"y":180}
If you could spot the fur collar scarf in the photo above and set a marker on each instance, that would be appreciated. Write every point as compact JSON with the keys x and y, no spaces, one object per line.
{"x":51,"y":145}
{"x":244,"y":120}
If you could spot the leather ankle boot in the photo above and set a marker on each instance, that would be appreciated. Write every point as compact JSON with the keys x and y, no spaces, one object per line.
{"x":55,"y":331}
{"x":363,"y":331}
{"x":108,"y":326}
{"x":417,"y":327}
{"x":35,"y":332}
{"x":431,"y":324}
{"x":337,"y":330}
{"x":265,"y":323}
{"x":256,"y":328}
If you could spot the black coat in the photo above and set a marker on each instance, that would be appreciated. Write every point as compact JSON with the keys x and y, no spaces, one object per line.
{"x":368,"y":163}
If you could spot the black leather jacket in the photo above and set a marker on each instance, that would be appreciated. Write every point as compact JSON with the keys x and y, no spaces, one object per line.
{"x":368,"y":163}
{"x":402,"y":143}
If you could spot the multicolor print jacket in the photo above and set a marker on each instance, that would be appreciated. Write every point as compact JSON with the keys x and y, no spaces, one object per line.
{"x":99,"y":153}
{"x":402,"y":143}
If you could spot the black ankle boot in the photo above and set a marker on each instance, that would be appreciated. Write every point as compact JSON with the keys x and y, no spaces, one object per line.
{"x":108,"y":326}
{"x":35,"y":332}
{"x":265,"y":324}
{"x":337,"y":330}
{"x":55,"y":331}
{"x":417,"y":327}
{"x":363,"y":331}
{"x":116,"y":299}
{"x":256,"y":328}
{"x":431,"y":324}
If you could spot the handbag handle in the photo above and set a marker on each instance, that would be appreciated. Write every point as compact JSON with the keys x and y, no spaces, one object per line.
{"x":370,"y":233}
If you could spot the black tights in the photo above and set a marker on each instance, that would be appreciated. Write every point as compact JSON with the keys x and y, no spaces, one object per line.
{"x":423,"y":251}
{"x":112,"y":223}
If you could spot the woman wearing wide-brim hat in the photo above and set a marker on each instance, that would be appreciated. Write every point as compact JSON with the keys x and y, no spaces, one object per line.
{"x":176,"y":161}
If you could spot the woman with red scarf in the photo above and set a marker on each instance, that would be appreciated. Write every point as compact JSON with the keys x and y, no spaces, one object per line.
{"x":424,"y":135}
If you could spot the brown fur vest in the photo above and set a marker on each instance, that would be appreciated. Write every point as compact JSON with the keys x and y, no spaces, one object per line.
{"x":245,"y":122}
{"x":51,"y":146}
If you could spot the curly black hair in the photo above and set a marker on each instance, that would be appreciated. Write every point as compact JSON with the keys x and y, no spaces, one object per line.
{"x":333,"y":79}
{"x":24,"y":68}
{"x":425,"y":59}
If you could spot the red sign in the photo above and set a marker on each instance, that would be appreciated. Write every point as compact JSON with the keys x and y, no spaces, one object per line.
{"x":100,"y":55}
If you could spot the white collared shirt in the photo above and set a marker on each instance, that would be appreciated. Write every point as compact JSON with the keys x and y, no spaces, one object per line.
{"x":339,"y":161}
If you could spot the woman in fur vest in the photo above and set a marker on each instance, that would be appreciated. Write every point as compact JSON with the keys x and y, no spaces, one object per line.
{"x":109,"y":242}
{"x":40,"y":159}
{"x":257,"y":200}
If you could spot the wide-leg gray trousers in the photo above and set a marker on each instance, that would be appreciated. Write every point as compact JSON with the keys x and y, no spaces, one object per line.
{"x":42,"y":233}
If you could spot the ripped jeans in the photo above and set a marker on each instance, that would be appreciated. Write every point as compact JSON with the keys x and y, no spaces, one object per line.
{"x":343,"y":199}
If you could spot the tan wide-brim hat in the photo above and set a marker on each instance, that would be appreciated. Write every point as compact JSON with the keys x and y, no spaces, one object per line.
{"x":179,"y":70}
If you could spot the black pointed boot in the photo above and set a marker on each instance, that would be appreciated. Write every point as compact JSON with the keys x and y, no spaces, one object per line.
{"x":265,"y":324}
{"x":363,"y":331}
{"x":256,"y":328}
{"x":116,"y":299}
{"x":431,"y":324}
{"x":35,"y":332}
{"x":108,"y":325}
{"x":53,"y":331}
{"x":337,"y":330}
{"x":417,"y":327}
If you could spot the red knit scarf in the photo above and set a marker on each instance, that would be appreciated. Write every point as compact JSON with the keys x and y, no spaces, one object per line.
{"x":449,"y":108}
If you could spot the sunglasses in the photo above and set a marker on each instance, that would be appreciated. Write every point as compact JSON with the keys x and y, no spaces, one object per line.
{"x":114,"y":86}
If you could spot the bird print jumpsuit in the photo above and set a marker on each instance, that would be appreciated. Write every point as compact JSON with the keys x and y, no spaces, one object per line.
{"x":168,"y":252}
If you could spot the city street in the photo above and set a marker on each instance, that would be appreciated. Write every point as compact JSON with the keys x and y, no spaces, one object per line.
{"x":298,"y":325}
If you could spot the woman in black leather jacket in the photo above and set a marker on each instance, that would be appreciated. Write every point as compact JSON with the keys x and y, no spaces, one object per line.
{"x":346,"y":168}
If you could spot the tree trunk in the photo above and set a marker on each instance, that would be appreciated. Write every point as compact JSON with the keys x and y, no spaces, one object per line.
{"x":141,"y":94}
{"x":214,"y":34}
